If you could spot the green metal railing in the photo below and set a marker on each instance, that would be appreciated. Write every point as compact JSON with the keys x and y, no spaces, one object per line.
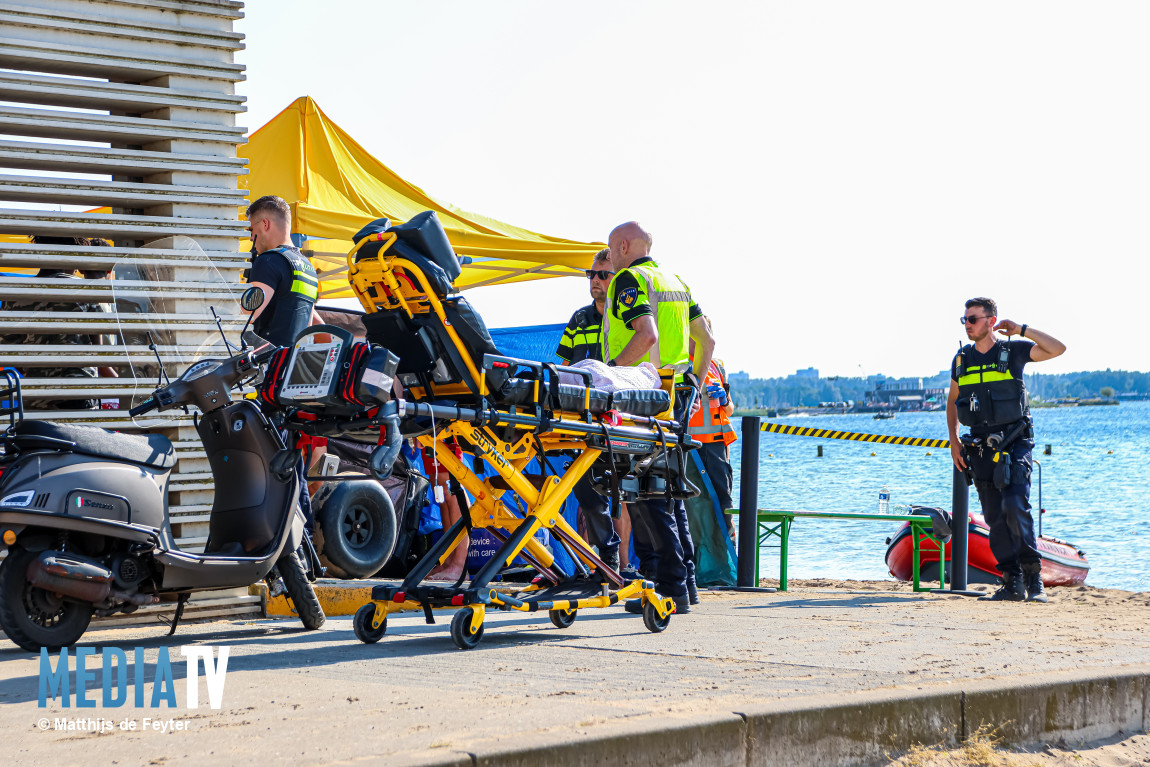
{"x":776,"y":523}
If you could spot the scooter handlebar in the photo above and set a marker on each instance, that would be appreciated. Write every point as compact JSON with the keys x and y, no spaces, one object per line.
{"x":264,"y":353}
{"x":143,"y":407}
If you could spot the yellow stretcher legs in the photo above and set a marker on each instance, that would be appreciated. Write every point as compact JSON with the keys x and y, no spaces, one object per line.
{"x":543,"y":507}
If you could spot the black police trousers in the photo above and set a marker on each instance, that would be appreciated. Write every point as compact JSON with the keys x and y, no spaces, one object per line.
{"x":597,"y":514}
{"x":663,"y":544}
{"x":1007,"y":511}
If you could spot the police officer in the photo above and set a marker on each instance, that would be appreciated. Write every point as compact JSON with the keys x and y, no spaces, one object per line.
{"x":582,"y":338}
{"x":650,"y":317}
{"x":582,"y":341}
{"x":987,"y":395}
{"x":290,"y":287}
{"x":287,"y":279}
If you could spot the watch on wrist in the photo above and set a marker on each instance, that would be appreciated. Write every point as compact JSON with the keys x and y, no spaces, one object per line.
{"x":1022,"y":330}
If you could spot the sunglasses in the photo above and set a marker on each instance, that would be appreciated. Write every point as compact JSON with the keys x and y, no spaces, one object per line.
{"x":602,"y":274}
{"x":971,"y":320}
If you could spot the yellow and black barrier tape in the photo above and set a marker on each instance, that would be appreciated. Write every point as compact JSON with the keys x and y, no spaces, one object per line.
{"x":852,"y":436}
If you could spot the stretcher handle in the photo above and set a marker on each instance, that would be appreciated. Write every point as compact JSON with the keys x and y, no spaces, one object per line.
{"x":492,"y":361}
{"x":692,"y":395}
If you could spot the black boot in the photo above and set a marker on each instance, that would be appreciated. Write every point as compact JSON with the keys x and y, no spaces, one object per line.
{"x":1033,"y":575}
{"x":692,"y":590}
{"x":1013,"y":589}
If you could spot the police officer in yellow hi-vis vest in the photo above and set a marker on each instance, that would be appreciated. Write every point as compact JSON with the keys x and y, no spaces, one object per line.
{"x":286,"y":277}
{"x":988,"y":396}
{"x":650,"y":317}
{"x":290,"y":287}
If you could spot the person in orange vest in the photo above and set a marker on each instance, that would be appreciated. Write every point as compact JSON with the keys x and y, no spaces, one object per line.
{"x":711,"y":425}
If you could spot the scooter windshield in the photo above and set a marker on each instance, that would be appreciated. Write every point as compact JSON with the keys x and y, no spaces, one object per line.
{"x":167,"y":315}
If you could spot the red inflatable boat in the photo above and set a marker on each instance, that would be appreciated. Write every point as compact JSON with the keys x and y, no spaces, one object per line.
{"x":1062,"y":563}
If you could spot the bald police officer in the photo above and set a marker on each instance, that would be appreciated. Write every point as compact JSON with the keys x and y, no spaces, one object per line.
{"x":650,"y":317}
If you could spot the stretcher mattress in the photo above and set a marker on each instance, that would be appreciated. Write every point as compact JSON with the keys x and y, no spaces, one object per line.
{"x":642,"y":402}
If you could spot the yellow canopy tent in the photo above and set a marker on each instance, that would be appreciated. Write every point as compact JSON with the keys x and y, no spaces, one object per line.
{"x":334,"y":187}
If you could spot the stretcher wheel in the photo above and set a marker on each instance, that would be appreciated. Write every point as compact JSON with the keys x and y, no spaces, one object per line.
{"x":651,"y":618}
{"x":562,"y":618}
{"x":361,"y":624}
{"x":461,"y":630}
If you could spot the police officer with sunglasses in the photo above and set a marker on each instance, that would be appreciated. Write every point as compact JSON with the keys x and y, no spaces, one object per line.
{"x":582,"y":341}
{"x":581,"y":338}
{"x":987,"y":395}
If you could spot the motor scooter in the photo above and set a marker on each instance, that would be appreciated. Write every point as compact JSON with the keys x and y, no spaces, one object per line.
{"x":84,"y":511}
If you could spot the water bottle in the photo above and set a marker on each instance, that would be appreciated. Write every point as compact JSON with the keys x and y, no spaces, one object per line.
{"x":884,"y":500}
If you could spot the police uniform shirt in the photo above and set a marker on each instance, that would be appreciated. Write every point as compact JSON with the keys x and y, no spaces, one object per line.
{"x":971,"y":357}
{"x":582,"y":336}
{"x":628,"y":298}
{"x":284,"y":319}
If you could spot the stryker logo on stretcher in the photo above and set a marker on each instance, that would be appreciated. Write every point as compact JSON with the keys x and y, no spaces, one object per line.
{"x":56,"y":683}
{"x":480,"y":440}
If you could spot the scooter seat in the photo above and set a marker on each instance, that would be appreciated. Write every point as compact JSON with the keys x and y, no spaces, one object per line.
{"x":152,"y":450}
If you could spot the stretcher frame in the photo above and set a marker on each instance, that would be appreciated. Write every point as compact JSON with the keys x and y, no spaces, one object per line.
{"x":507,"y":440}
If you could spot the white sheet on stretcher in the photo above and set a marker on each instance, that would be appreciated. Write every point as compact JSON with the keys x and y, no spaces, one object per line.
{"x":644,"y":376}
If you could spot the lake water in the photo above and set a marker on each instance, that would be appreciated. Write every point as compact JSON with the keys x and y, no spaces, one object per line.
{"x":1094,"y":488}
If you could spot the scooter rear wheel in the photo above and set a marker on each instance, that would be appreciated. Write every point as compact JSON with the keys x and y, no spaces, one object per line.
{"x":300,"y":592}
{"x":35,"y":618}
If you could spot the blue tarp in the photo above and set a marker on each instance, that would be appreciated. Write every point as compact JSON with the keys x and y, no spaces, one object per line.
{"x":531,"y":342}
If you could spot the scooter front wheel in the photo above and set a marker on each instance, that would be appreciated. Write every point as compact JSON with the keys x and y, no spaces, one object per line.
{"x":35,"y":618}
{"x":300,"y":592}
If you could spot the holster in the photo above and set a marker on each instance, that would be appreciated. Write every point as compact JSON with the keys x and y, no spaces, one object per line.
{"x":1002,"y":470}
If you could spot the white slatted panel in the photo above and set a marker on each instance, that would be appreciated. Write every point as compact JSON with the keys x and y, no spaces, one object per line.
{"x":152,"y":84}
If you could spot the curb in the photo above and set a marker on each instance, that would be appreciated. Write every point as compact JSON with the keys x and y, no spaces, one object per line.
{"x":868,"y":729}
{"x":336,"y":598}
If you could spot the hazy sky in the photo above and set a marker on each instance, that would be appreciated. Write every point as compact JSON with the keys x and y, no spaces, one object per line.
{"x":832,"y":179}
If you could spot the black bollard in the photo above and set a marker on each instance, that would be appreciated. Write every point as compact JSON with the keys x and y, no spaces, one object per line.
{"x":960,"y":538}
{"x":749,"y":502}
{"x":960,"y":513}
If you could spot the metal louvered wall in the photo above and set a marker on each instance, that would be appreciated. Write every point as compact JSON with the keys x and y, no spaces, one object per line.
{"x":130,"y":105}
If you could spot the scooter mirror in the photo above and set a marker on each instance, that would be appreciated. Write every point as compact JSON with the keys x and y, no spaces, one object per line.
{"x":252,"y":299}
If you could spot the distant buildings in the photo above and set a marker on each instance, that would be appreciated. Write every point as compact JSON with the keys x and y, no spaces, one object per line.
{"x":904,"y":394}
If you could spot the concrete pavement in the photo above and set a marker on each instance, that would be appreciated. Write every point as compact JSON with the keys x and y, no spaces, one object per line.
{"x":814,"y":676}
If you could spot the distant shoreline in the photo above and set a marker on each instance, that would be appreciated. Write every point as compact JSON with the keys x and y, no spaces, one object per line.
{"x":783,"y":412}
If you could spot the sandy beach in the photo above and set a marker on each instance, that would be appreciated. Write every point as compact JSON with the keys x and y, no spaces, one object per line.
{"x":1118,"y":751}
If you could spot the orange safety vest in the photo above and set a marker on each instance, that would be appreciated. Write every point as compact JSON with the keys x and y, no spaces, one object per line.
{"x":710,"y":423}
